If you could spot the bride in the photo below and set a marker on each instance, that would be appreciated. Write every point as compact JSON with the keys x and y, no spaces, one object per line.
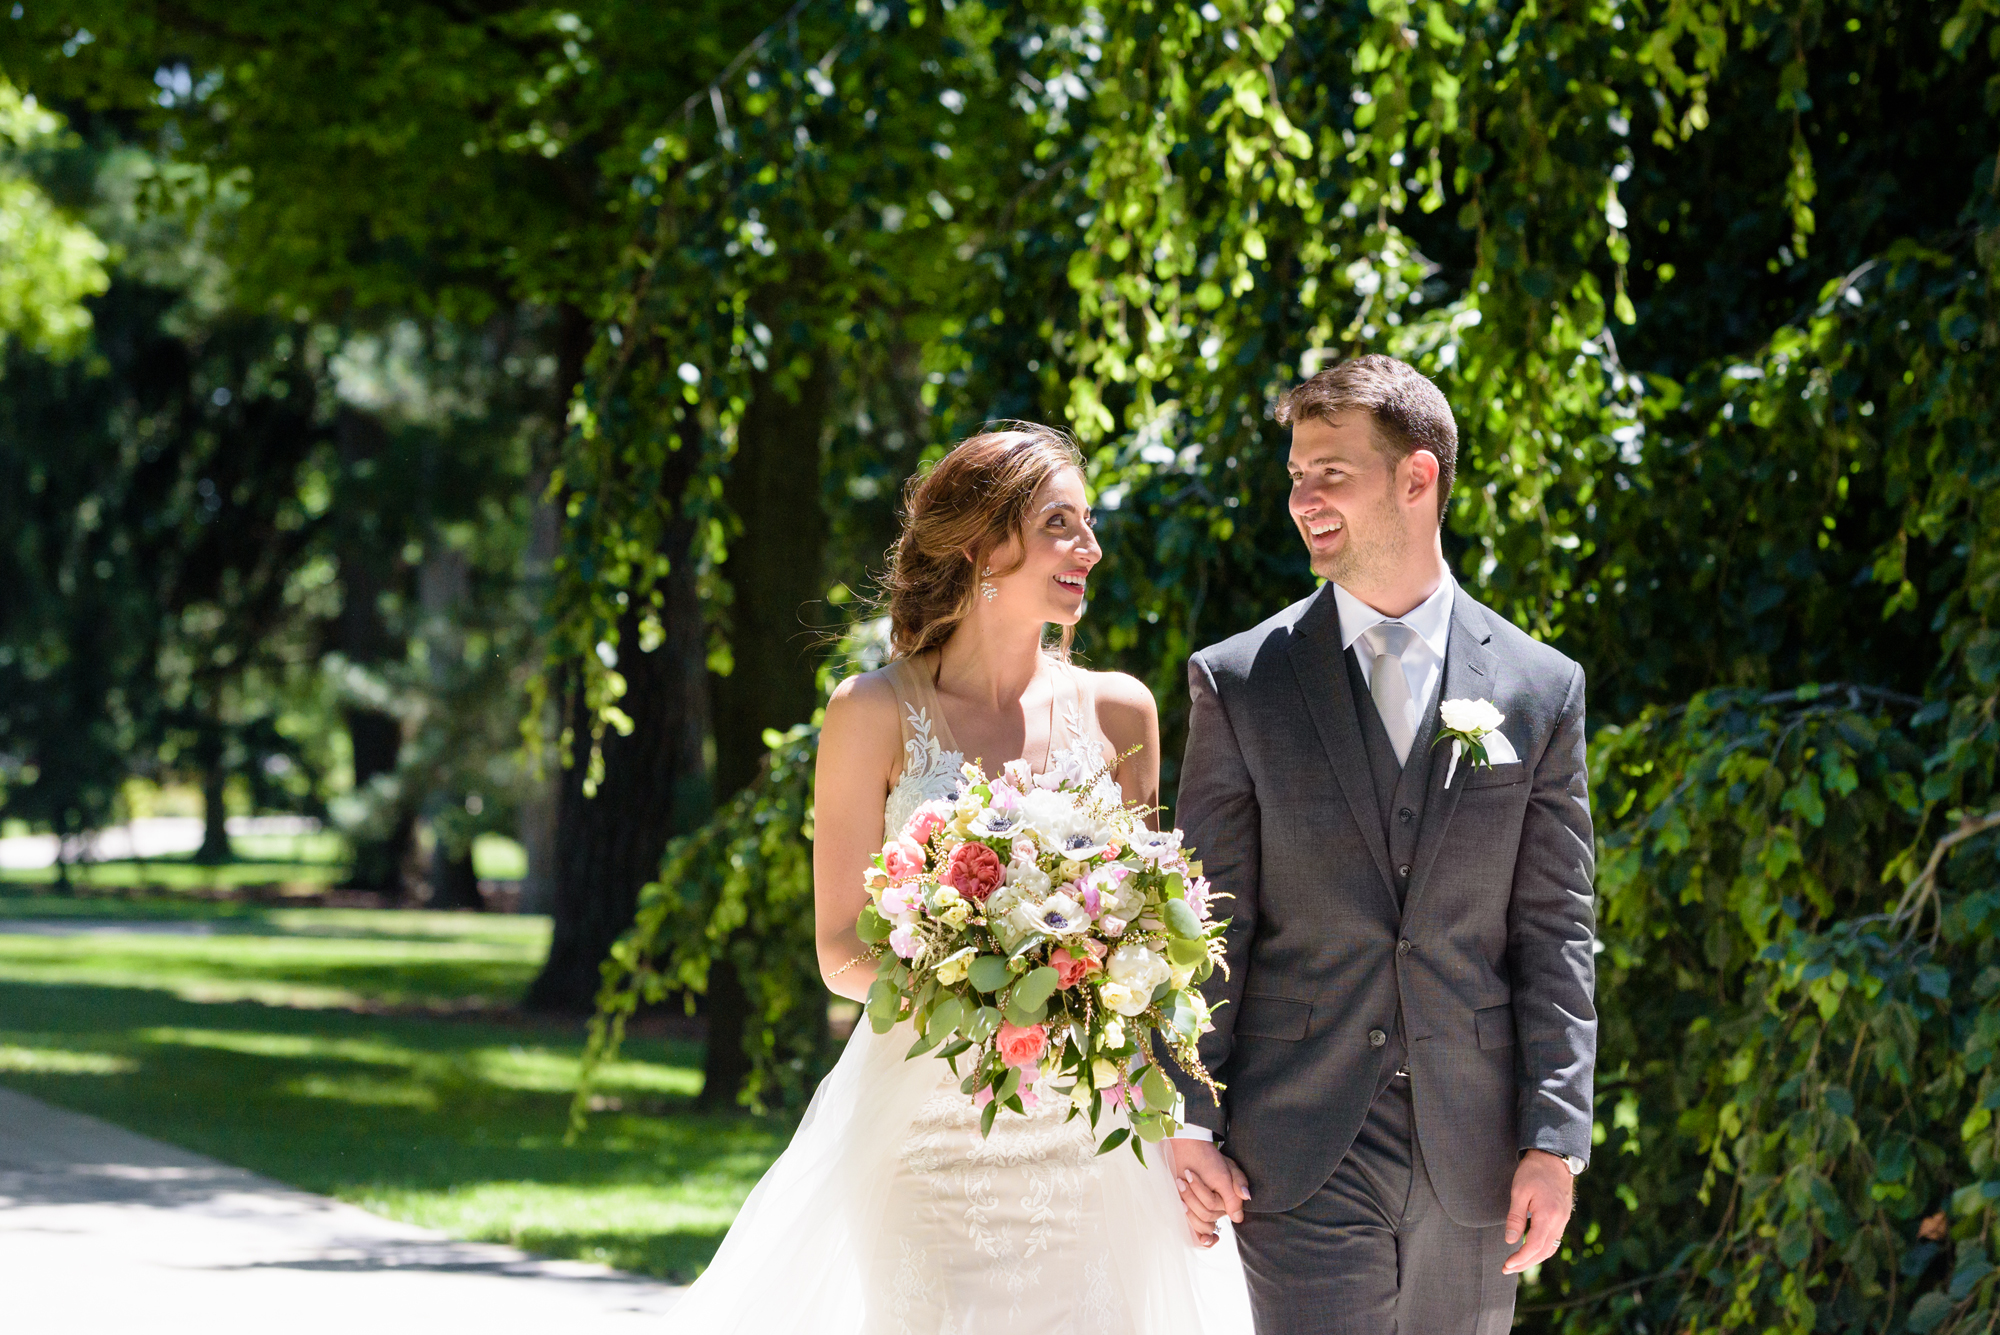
{"x":889,"y":1214}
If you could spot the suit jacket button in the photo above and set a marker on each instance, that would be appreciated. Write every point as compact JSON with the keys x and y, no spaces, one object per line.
{"x":1376,"y":1038}
{"x":1403,"y":870}
{"x":1404,"y":947}
{"x":1407,"y":815}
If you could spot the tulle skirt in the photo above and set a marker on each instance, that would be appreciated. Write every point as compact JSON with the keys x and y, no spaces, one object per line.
{"x":890,"y":1215}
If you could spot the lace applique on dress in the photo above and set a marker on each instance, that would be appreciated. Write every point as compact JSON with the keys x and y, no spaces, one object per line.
{"x":986,"y":1228}
{"x":929,"y":771}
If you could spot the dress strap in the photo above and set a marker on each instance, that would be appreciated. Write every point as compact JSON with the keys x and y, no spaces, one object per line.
{"x":1079,"y":716}
{"x":924,"y":732}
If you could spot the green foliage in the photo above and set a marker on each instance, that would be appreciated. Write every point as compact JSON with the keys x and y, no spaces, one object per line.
{"x":1720,"y":354}
{"x":1798,"y":887}
{"x":50,"y":263}
{"x":739,"y":889}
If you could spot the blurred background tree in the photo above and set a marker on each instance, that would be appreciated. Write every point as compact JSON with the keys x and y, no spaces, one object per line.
{"x":607,"y":344}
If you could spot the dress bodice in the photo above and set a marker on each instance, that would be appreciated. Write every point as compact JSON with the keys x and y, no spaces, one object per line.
{"x":932,"y":760}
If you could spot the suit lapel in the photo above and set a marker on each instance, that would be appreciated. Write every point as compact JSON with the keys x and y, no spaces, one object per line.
{"x":1468,"y":675}
{"x":1317,"y":661}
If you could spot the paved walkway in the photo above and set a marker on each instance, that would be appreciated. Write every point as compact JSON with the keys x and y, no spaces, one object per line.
{"x":104,"y":1232}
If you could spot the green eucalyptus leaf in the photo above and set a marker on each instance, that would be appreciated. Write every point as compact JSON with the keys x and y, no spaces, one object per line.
{"x":989,"y":973}
{"x":872,"y":927}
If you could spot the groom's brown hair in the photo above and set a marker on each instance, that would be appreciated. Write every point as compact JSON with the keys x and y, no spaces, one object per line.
{"x":1407,"y":410}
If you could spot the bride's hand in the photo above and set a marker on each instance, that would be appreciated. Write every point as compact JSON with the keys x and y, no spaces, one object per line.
{"x":1210,"y":1184}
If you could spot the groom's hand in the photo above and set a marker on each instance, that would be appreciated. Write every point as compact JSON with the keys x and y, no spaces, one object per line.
{"x":1544,"y":1193}
{"x":1210,"y":1184}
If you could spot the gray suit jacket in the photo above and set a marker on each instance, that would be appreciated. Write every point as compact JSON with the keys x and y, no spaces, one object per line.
{"x":1483,"y":963}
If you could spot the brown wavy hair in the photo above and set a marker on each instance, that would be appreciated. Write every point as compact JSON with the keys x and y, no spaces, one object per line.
{"x":955,"y":515}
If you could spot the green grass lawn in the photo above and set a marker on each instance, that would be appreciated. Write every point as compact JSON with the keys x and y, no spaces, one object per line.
{"x":367,"y":1055}
{"x":302,"y":862}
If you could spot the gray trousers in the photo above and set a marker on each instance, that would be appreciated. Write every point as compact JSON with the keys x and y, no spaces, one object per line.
{"x":1372,"y":1252}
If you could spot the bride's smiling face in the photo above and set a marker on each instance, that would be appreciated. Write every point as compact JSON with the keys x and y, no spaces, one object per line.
{"x":1043,"y":572}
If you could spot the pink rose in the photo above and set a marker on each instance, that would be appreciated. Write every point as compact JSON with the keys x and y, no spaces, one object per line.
{"x":1022,"y":1045}
{"x":903,"y":857}
{"x":904,"y":942}
{"x":926,"y":821}
{"x":974,"y":872}
{"x":1070,"y":970}
{"x":900,"y":899}
{"x":1024,"y":849}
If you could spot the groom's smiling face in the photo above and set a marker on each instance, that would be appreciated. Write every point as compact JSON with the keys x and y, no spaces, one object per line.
{"x":1344,"y":500}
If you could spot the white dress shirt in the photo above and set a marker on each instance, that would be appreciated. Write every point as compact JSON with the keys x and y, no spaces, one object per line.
{"x":1423,"y":659}
{"x":1423,"y":664}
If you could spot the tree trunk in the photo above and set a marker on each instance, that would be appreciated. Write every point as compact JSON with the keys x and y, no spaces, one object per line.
{"x":214,"y":850}
{"x":385,"y":855}
{"x":541,"y":797}
{"x":775,"y":577}
{"x":654,"y":786}
{"x":774,"y":573}
{"x":725,"y":1065}
{"x":655,"y":781}
{"x":384,"y":861}
{"x":454,"y":883}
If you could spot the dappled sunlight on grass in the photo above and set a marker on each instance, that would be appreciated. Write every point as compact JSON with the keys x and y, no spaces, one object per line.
{"x":556,"y":1072}
{"x":59,"y":1061}
{"x":354,"y":966}
{"x":453,"y":1121}
{"x":365,"y":1089}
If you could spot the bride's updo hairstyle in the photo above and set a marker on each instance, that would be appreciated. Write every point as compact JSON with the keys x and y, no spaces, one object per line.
{"x":955,"y":516}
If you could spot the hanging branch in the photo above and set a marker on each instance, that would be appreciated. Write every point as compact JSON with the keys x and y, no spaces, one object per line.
{"x":1924,"y":889}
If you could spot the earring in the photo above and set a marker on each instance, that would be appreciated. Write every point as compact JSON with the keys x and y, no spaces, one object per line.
{"x":988,"y":591}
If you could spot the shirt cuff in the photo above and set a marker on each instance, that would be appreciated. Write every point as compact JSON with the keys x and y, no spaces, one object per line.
{"x":1192,"y":1132}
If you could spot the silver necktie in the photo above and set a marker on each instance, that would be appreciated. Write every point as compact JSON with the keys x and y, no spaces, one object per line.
{"x":1390,"y":687}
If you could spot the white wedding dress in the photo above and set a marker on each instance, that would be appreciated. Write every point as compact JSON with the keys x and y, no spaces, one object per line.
{"x":890,"y":1215}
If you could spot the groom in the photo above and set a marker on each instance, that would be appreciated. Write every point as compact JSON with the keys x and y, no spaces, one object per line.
{"x":1408,"y":1037}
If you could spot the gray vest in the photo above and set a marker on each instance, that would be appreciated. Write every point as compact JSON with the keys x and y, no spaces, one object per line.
{"x":1399,"y":797}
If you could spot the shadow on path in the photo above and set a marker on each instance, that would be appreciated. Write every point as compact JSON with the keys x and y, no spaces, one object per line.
{"x":104,"y":1229}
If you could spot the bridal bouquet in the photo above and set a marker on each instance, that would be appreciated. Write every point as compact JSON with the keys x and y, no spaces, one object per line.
{"x":1037,"y":928}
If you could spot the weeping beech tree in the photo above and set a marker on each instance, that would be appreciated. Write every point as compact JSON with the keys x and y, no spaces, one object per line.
{"x":1712,"y":290}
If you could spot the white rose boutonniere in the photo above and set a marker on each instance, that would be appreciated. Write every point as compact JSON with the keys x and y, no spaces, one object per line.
{"x":1467,"y":725}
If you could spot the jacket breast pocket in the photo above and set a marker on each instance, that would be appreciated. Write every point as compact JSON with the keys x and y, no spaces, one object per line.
{"x":1274,"y":1017}
{"x":1494,"y":1026}
{"x":1498,"y":776}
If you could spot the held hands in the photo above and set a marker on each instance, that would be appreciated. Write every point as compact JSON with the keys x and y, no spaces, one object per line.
{"x":1210,"y":1184}
{"x":1544,"y":1193}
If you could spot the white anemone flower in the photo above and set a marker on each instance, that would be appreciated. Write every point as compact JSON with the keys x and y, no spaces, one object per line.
{"x":997,"y":823}
{"x":1156,"y":845}
{"x":1058,"y":915}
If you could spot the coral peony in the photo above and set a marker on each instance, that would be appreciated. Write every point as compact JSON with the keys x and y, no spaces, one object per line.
{"x":1022,"y":1045}
{"x":974,"y":871}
